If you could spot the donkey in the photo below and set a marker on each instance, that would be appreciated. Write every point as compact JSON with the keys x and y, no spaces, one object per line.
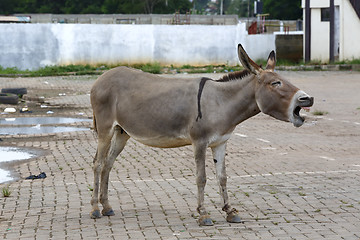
{"x":166,"y":113}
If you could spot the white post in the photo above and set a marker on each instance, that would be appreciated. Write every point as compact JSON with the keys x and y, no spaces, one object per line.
{"x":221,"y":7}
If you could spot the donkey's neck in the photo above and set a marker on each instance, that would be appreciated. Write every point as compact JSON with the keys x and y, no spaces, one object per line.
{"x":239,"y":98}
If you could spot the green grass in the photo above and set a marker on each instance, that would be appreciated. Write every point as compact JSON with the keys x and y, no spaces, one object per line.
{"x":6,"y":191}
{"x":12,"y":70}
{"x":320,"y":113}
{"x":153,"y":67}
{"x":52,"y":71}
{"x":353,"y":61}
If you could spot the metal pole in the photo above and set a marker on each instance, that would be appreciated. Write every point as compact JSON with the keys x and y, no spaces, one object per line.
{"x":307,"y":31}
{"x":332,"y":30}
{"x":221,"y":7}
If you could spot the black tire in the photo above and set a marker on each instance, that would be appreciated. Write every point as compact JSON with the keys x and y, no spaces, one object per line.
{"x":17,"y":91}
{"x":9,"y":98}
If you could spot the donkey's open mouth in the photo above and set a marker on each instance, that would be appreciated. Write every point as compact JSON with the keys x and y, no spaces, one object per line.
{"x":300,"y":101}
{"x":297,"y":112}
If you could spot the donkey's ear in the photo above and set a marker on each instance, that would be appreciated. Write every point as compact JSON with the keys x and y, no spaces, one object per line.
{"x":271,"y":62}
{"x":247,"y":62}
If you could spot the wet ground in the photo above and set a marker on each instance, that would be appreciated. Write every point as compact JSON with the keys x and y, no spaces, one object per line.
{"x":38,"y":125}
{"x":287,"y":183}
{"x":40,"y":120}
{"x":30,"y":126}
{"x":8,"y":156}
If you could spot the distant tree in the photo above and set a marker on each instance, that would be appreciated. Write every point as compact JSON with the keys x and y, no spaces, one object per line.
{"x":243,"y":8}
{"x":172,"y":6}
{"x":200,"y":5}
{"x":283,"y":9}
{"x":49,"y":6}
{"x":150,"y":4}
{"x":94,"y":6}
{"x":226,"y":5}
{"x":82,"y":6}
{"x":124,"y":7}
{"x":7,"y":6}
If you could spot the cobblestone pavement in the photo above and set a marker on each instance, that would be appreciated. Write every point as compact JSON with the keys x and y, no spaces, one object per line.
{"x":287,"y":183}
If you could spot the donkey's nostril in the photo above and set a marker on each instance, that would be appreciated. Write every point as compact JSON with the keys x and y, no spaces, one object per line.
{"x":306,"y":100}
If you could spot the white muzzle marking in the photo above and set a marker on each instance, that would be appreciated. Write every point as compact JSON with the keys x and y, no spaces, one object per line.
{"x":299,"y":100}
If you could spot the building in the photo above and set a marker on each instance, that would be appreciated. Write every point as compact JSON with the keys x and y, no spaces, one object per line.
{"x":14,"y":19}
{"x":332,"y":30}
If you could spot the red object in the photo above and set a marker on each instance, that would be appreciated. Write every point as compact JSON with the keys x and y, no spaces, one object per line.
{"x":253,"y":28}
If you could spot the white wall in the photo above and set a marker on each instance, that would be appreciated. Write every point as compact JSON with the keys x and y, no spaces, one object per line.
{"x":320,"y":37}
{"x":320,"y":31}
{"x":30,"y":46}
{"x":350,"y":36}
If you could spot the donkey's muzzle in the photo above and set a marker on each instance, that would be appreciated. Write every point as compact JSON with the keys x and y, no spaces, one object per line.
{"x":299,"y":101}
{"x":305,"y":101}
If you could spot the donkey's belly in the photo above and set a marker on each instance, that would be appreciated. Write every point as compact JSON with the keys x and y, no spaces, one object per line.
{"x":163,"y":141}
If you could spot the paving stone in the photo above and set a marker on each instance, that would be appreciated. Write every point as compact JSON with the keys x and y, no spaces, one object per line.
{"x":287,"y":183}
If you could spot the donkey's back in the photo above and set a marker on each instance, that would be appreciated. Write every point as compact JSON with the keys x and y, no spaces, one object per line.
{"x":152,"y":109}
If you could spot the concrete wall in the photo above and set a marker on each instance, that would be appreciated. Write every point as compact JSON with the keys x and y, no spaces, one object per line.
{"x":289,"y":47}
{"x":134,"y":19}
{"x":30,"y":46}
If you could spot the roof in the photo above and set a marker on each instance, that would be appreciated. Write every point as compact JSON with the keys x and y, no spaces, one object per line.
{"x":14,"y":19}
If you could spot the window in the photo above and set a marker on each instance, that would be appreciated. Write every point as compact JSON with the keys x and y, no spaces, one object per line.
{"x":325,"y":14}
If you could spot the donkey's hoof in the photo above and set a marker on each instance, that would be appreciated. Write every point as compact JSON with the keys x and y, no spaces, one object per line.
{"x":205,"y":220}
{"x":109,"y":212}
{"x":95,"y":214}
{"x":233,"y":218}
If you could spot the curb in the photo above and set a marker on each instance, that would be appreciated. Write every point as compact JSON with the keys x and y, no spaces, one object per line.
{"x":340,"y":67}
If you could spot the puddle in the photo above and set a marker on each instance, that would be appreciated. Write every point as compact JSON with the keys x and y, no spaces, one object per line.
{"x":38,"y":129}
{"x":5,"y":176}
{"x":11,"y":153}
{"x":41,"y":120}
{"x":7,"y":157}
{"x":28,"y":126}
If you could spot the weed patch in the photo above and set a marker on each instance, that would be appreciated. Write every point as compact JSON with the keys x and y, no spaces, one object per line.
{"x":157,"y":68}
{"x":6,"y":191}
{"x":320,"y":113}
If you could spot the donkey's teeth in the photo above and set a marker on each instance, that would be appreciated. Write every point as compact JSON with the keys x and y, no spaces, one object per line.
{"x":307,"y":109}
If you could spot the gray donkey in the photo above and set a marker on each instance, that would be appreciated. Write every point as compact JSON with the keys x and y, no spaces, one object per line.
{"x":165,"y":113}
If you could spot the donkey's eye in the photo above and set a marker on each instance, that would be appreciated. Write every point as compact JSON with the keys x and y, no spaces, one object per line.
{"x":276,"y":84}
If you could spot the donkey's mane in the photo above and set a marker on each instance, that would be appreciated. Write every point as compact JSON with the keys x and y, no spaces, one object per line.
{"x":226,"y":78}
{"x":234,"y":76}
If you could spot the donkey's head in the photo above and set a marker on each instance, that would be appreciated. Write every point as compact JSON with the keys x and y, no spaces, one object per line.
{"x":274,"y":95}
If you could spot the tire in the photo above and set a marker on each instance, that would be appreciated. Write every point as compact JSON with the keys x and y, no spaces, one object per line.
{"x":17,"y":91}
{"x":8,"y":98}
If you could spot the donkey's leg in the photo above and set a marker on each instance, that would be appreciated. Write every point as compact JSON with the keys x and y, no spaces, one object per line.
{"x":118,"y":142}
{"x":219,"y":160}
{"x":200,"y":152}
{"x":101,"y":152}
